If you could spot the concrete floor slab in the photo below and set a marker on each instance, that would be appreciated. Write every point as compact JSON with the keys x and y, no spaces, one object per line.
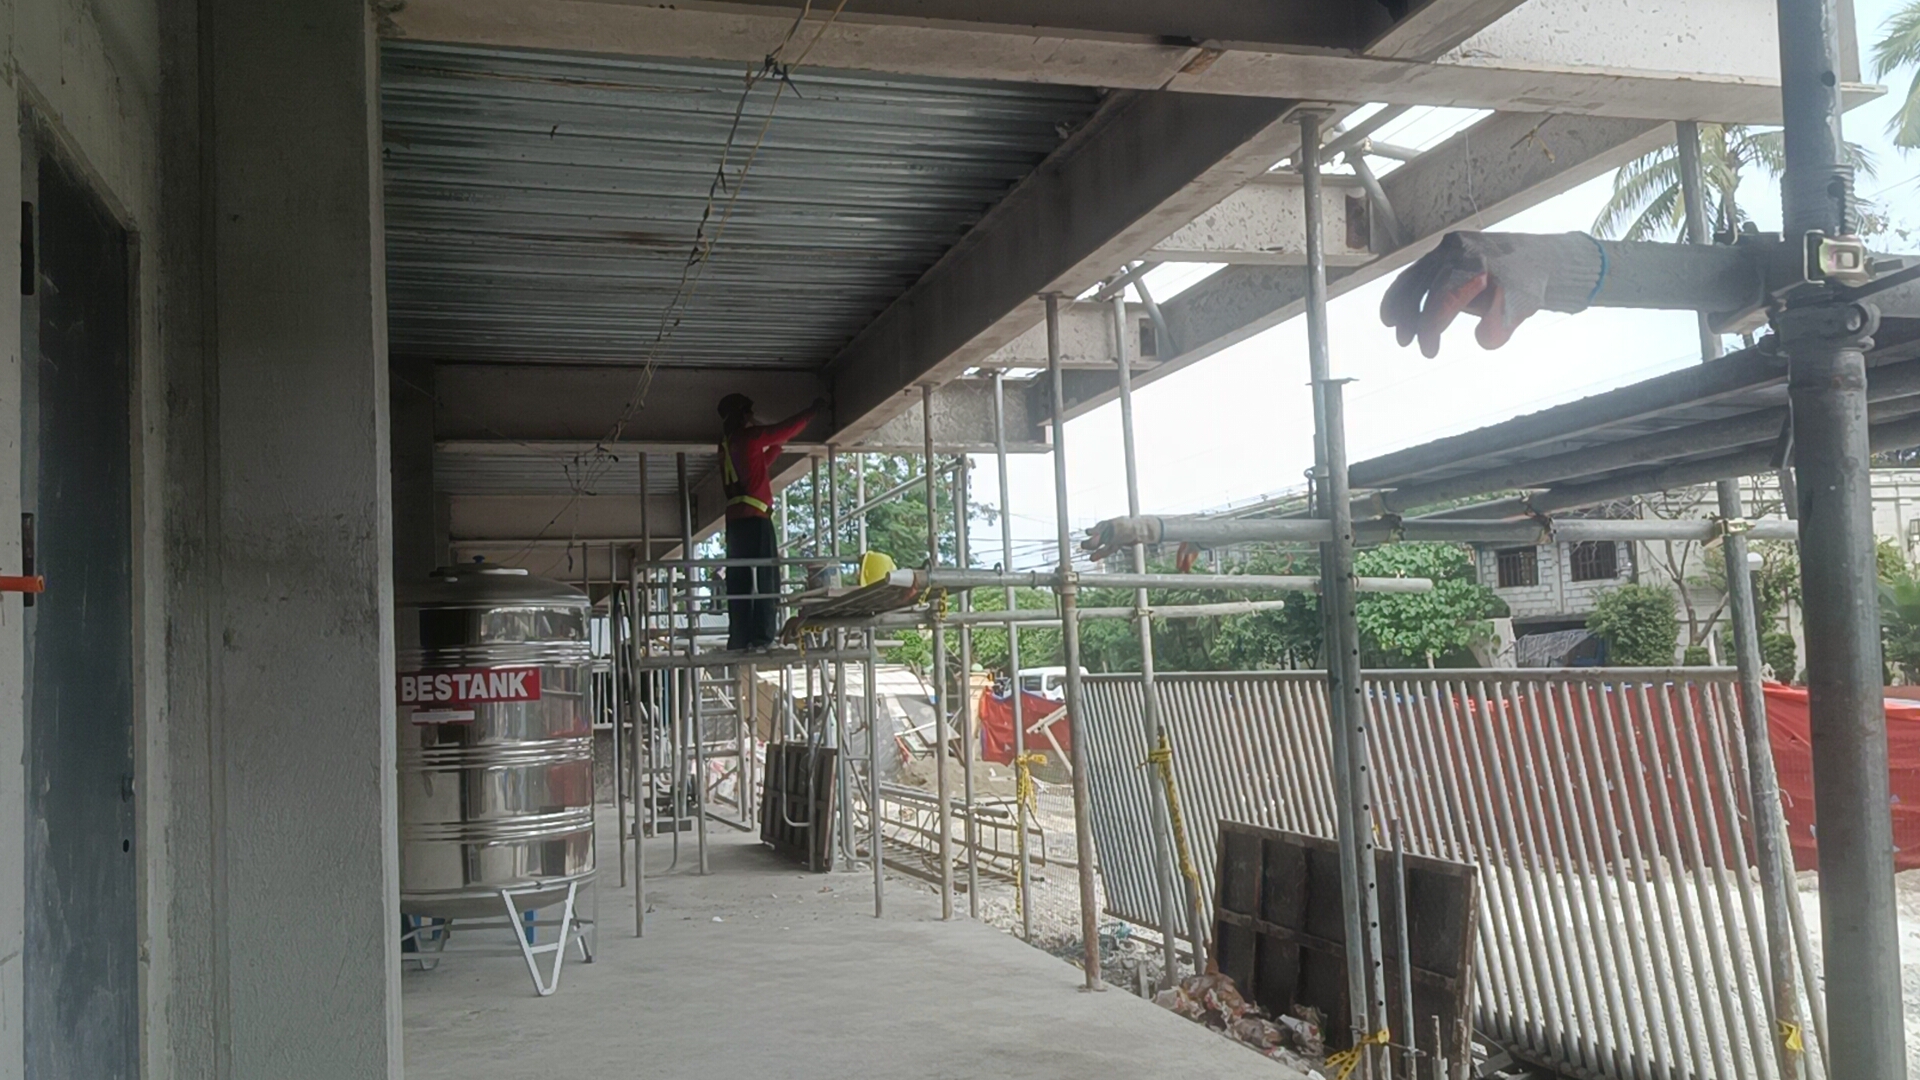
{"x":761,"y":970}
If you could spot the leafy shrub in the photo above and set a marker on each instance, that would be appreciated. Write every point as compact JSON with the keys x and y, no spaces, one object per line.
{"x":1640,"y":625}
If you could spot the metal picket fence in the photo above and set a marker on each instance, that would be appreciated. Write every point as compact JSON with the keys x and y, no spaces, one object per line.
{"x":1620,"y":928}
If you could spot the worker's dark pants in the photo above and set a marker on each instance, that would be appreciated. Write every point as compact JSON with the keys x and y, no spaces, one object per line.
{"x":752,"y":611}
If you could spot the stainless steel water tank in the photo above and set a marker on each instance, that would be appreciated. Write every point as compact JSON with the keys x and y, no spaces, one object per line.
{"x":496,"y":744}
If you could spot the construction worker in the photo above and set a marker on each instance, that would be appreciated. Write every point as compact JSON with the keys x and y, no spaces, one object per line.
{"x":746,"y":452}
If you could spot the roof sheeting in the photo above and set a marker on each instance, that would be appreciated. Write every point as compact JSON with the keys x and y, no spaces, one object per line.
{"x":542,"y":206}
{"x":1721,"y":419}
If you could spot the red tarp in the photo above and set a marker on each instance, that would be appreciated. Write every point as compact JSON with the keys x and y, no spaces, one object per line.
{"x":1793,"y":760}
{"x":996,"y":726}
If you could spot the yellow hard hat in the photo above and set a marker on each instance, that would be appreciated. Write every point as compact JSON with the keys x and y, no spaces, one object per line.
{"x":875,"y":566}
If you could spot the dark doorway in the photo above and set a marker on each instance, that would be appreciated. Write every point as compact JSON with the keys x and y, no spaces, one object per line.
{"x":82,"y":968}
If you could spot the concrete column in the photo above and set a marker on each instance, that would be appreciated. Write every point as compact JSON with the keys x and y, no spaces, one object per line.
{"x":13,"y":797}
{"x":419,"y":517}
{"x":305,"y":862}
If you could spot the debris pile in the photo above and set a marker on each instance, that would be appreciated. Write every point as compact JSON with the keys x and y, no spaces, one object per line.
{"x":1213,"y":1000}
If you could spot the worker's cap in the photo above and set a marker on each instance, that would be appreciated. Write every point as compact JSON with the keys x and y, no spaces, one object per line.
{"x":734,"y":404}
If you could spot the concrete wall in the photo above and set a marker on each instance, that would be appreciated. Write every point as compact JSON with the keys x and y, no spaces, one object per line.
{"x":263,"y":625}
{"x":89,"y":76}
{"x":1557,"y":596}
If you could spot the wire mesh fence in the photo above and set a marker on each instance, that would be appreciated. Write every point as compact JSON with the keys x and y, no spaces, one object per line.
{"x":1620,"y":920}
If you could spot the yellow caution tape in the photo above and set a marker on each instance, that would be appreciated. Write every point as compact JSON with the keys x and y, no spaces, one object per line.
{"x":1790,"y":1035}
{"x":1162,"y":756}
{"x":1023,"y":789}
{"x":1348,"y":1060}
{"x":1025,"y":794}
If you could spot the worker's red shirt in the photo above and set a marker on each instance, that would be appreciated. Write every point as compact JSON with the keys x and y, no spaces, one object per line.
{"x":745,"y":456}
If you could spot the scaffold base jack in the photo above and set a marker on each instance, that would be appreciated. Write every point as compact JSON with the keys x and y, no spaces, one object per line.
{"x":431,"y":939}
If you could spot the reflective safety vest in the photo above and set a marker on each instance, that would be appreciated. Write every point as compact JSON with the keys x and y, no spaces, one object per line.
{"x":730,"y":483}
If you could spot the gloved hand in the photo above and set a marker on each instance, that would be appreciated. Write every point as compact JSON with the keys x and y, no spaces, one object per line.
{"x":1501,"y":277}
{"x":819,"y":405}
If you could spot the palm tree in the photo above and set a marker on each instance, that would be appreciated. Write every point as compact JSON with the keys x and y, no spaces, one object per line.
{"x":1899,"y":47}
{"x":1646,"y":203}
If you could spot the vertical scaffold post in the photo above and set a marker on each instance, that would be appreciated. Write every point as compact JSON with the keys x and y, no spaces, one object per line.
{"x":942,"y":790}
{"x":696,"y":728}
{"x":1168,"y":880}
{"x":1068,"y":589}
{"x":642,"y":709}
{"x":1346,"y":701}
{"x":874,"y":841}
{"x":969,"y":828}
{"x":860,"y":501}
{"x":1021,"y":767}
{"x":843,"y":766}
{"x":617,"y":682}
{"x":1763,"y":788}
{"x":1824,"y":335}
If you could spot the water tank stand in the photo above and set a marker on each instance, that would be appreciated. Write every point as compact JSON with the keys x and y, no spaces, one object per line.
{"x":431,"y":939}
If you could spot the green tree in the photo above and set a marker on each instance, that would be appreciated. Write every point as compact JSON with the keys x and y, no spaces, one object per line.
{"x":1897,"y":50}
{"x":1646,"y":203}
{"x":1415,"y":629}
{"x":1640,"y":625}
{"x":1396,"y":629}
{"x":1900,"y":622}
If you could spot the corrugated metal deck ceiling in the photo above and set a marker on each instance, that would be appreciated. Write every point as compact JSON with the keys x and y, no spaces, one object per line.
{"x":541,"y":207}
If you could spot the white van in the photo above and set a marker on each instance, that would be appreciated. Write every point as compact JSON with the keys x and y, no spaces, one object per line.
{"x":1048,"y":682}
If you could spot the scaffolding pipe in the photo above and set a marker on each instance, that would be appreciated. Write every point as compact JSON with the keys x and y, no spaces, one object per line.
{"x":976,"y":579}
{"x":1824,"y":338}
{"x":1771,"y":850}
{"x":616,"y":642}
{"x":642,"y":763}
{"x":1154,"y":735}
{"x":1070,"y":643}
{"x":1011,"y":600}
{"x":1382,"y":207}
{"x":1211,"y":531}
{"x":940,"y":702}
{"x":904,"y":620}
{"x":1345,"y":698}
{"x":694,"y":726}
{"x":843,"y":765}
{"x":875,"y":845}
{"x":969,"y":827}
{"x":859,"y":511}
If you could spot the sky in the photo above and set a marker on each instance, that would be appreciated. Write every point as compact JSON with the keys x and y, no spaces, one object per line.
{"x":1239,"y":424}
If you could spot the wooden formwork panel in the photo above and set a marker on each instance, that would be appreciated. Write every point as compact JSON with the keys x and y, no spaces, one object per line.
{"x":1280,"y":934}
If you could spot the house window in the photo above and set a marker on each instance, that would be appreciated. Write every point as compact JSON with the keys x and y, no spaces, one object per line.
{"x":1594,"y":560}
{"x":1519,"y":567}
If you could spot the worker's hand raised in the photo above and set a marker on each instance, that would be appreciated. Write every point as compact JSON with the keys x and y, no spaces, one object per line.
{"x":1501,"y":277}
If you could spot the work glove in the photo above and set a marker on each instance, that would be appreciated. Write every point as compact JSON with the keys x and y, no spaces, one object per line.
{"x":1501,"y":277}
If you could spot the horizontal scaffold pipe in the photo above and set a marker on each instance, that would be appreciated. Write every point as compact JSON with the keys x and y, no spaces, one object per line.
{"x":1218,"y":532}
{"x":1043,"y":616}
{"x":980,"y":579}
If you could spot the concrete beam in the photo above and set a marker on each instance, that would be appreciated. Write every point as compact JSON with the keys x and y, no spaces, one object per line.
{"x":1062,"y":229}
{"x":1499,"y":166}
{"x":541,"y":402}
{"x":962,"y":422}
{"x":1265,"y":223}
{"x":1667,"y":63}
{"x":1436,"y":26}
{"x":1086,"y":341}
